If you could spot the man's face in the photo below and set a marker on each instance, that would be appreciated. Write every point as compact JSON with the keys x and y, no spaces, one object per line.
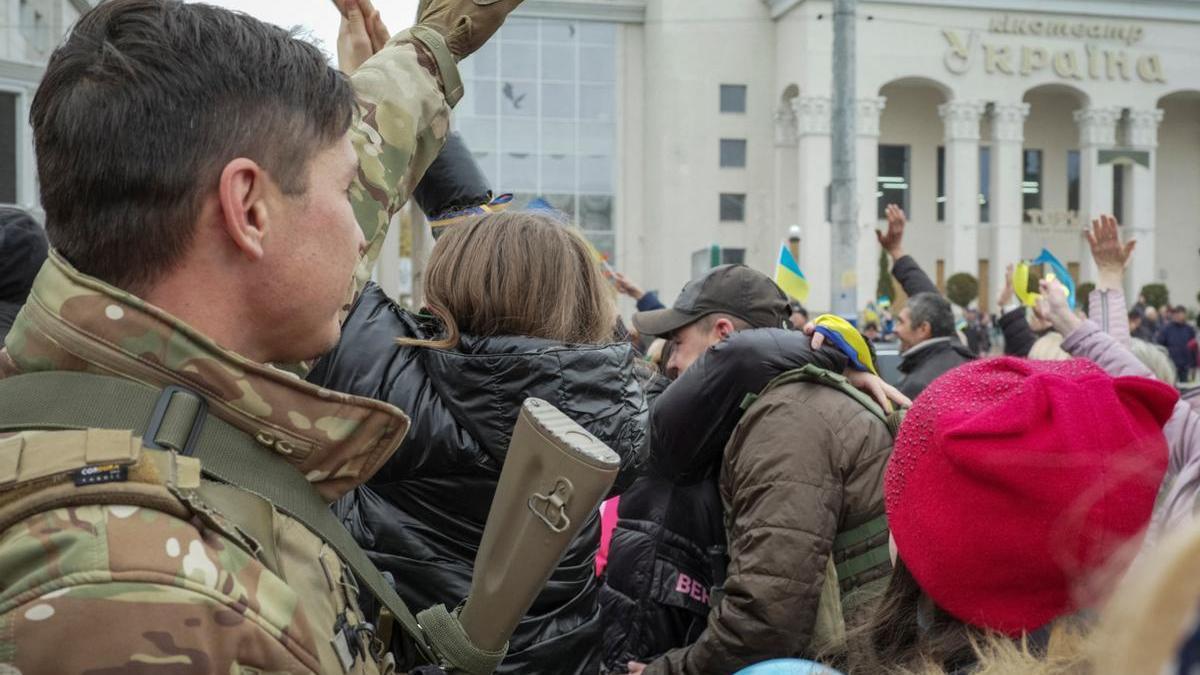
{"x":909,"y":336}
{"x":1180,"y":317}
{"x":799,"y":320}
{"x":689,"y":342}
{"x":309,"y":258}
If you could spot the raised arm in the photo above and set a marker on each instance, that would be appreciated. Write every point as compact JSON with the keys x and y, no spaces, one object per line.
{"x":912,"y":278}
{"x":405,"y":90}
{"x":1106,"y":304}
{"x":1018,"y":336}
{"x":1085,"y":339}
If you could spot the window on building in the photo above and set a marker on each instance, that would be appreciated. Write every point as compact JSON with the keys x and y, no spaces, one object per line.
{"x":733,"y":98}
{"x":733,"y":153}
{"x":707,"y":258}
{"x":1073,"y":180}
{"x":1031,"y":182}
{"x":985,"y":179}
{"x":8,"y":148}
{"x":540,"y":117}
{"x":892,"y":183}
{"x":733,"y":207}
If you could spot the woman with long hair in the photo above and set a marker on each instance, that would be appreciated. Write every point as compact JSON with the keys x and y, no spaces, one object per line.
{"x":517,"y":308}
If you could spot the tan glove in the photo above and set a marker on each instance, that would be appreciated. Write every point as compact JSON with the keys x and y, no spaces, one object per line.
{"x":465,"y":24}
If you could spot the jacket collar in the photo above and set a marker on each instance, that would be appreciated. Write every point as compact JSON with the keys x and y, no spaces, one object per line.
{"x":75,"y":322}
{"x":921,"y":346}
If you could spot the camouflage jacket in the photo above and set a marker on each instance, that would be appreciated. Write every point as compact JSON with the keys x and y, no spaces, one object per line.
{"x":163,"y":581}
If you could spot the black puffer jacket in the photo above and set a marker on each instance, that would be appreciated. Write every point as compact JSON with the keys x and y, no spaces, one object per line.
{"x":661,"y":563}
{"x":422,"y":516}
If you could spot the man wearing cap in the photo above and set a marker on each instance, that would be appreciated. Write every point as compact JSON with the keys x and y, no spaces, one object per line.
{"x":727,"y":299}
{"x":802,"y":464}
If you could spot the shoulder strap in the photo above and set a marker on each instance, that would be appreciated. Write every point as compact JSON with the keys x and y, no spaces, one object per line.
{"x":176,"y":418}
{"x":812,"y":373}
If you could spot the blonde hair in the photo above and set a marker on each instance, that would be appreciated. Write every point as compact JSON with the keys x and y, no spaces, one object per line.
{"x":1153,"y":610}
{"x":1155,"y":358}
{"x":517,"y":273}
{"x":1049,"y":348}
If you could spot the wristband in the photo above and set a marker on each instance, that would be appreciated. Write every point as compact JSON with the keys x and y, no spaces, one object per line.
{"x":452,"y":84}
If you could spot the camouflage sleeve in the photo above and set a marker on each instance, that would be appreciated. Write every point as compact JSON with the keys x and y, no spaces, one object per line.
{"x":402,"y":123}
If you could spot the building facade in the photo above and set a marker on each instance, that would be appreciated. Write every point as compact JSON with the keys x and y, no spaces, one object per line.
{"x":30,"y":31}
{"x":665,"y":127}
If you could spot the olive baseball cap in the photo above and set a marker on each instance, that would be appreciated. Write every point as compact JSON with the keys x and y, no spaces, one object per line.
{"x":736,"y":290}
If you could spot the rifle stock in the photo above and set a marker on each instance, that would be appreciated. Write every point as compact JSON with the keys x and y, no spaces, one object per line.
{"x":555,"y":475}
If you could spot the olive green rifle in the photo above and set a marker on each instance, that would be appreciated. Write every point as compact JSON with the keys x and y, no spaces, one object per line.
{"x":555,"y":475}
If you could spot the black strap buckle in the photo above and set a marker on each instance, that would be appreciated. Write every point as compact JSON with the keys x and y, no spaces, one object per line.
{"x":161,"y":407}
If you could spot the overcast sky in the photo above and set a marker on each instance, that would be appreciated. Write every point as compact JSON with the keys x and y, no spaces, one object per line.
{"x":319,"y":17}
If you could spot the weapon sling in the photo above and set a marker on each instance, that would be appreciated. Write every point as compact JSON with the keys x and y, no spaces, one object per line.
{"x":177,"y":419}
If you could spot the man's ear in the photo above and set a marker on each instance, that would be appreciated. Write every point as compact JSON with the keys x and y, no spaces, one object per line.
{"x":243,"y":189}
{"x":724,"y":328}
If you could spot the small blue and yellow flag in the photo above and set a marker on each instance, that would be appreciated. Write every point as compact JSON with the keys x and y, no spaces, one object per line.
{"x":789,"y":277}
{"x":1057,"y":271}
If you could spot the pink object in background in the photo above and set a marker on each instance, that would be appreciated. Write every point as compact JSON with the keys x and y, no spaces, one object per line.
{"x":608,"y":522}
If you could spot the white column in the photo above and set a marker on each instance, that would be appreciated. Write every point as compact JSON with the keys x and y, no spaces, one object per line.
{"x":1097,"y":131}
{"x":1140,"y":189}
{"x":787,"y":168}
{"x":1007,"y":201}
{"x":960,"y":120}
{"x":867,"y":166}
{"x":812,"y":115}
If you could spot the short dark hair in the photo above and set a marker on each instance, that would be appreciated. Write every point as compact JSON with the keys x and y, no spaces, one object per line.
{"x":143,"y":105}
{"x":933,"y":309}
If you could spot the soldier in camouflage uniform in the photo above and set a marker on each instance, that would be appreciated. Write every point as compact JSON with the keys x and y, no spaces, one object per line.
{"x":146,"y":573}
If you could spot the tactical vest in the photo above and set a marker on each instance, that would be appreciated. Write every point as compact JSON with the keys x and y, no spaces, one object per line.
{"x":860,"y":563}
{"x":114,"y":441}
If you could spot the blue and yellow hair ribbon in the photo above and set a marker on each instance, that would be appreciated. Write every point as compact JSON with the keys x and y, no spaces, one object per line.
{"x":788,"y":276}
{"x":1058,"y":271}
{"x":847,"y":338}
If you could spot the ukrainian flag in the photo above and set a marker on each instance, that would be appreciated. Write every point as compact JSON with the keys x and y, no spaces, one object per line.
{"x":789,"y":277}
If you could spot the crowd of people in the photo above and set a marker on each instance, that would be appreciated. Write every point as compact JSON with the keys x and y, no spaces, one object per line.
{"x":215,"y":196}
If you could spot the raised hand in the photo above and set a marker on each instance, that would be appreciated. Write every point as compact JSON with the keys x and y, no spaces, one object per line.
{"x":1007,"y":293}
{"x":466,"y":24}
{"x":892,"y":240}
{"x":627,"y":287}
{"x":361,"y":34}
{"x":1052,"y":306}
{"x":1111,"y":255}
